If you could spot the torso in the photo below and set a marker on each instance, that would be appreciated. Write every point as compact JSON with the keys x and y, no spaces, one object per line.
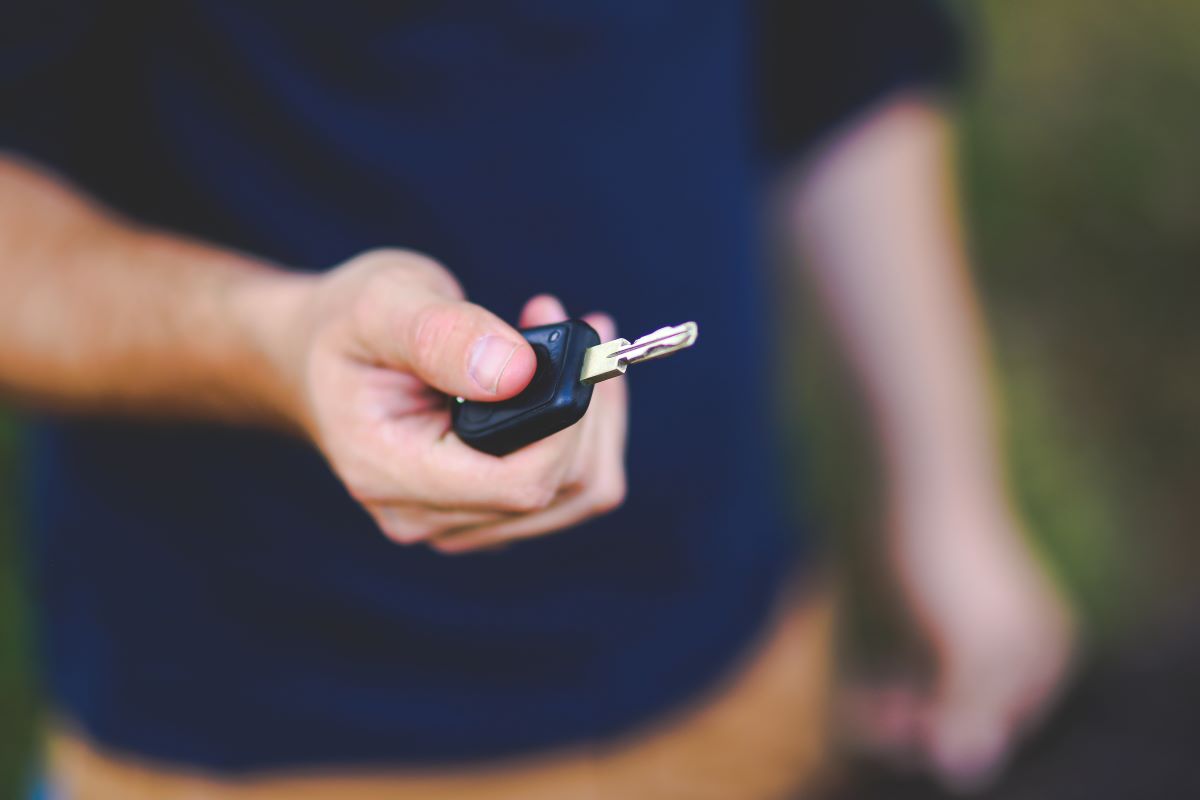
{"x":211,"y":596}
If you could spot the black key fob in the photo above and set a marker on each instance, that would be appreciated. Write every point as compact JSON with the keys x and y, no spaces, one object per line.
{"x":553,"y":400}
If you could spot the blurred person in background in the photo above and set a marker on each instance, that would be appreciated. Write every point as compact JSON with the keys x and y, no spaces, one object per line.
{"x":239,"y":409}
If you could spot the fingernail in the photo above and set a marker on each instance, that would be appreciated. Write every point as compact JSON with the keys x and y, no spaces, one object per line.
{"x":489,"y":357}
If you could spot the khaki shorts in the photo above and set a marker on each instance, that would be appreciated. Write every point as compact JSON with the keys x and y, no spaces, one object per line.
{"x":759,"y":735}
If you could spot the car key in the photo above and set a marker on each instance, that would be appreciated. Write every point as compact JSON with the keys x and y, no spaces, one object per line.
{"x":571,"y":359}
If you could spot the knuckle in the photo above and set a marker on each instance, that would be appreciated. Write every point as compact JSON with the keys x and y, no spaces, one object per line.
{"x":362,"y":487}
{"x":444,"y":548}
{"x":360,"y":493}
{"x":402,"y":528}
{"x":433,"y":327}
{"x":429,"y":271}
{"x":381,"y":261}
{"x":529,"y":497}
{"x":367,"y":475}
{"x":551,"y":460}
{"x":405,"y":534}
{"x":392,"y":265}
{"x":609,"y":495}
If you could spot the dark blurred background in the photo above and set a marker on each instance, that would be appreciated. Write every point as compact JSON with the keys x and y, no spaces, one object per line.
{"x":1080,"y":150}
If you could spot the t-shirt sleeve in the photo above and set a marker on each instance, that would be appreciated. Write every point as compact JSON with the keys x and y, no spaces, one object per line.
{"x":819,"y":63}
{"x":47,"y":60}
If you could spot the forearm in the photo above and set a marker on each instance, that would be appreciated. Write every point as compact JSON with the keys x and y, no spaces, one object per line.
{"x":97,"y":314}
{"x":877,"y":220}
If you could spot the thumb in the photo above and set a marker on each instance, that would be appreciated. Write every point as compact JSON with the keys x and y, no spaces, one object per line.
{"x":457,"y":347}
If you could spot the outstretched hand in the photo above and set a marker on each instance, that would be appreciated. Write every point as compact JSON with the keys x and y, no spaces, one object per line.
{"x":376,"y":348}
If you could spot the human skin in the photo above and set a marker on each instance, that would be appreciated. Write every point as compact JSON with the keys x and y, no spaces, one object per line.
{"x":100,"y":315}
{"x":876,"y":216}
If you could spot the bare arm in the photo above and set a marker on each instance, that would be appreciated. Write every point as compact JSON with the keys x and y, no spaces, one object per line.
{"x":98,"y":314}
{"x":877,"y":217}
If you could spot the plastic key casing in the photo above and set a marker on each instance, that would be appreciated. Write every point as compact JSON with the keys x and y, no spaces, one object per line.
{"x":553,"y":400}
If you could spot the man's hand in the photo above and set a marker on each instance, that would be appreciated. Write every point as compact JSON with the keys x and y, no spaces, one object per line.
{"x":1002,"y":639}
{"x":99,"y":315}
{"x":1002,"y":634}
{"x":372,"y":353}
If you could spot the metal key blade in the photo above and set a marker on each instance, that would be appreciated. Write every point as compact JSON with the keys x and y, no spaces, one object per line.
{"x":662,"y":342}
{"x":610,"y":359}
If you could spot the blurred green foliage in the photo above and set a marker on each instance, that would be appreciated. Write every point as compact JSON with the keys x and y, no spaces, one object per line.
{"x":1081,"y":164}
{"x":1079,"y":128}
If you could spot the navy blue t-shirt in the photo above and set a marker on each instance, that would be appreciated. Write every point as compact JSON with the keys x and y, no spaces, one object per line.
{"x":211,"y":595}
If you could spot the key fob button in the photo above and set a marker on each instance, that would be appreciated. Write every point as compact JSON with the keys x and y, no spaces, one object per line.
{"x":476,"y":413}
{"x":553,"y":400}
